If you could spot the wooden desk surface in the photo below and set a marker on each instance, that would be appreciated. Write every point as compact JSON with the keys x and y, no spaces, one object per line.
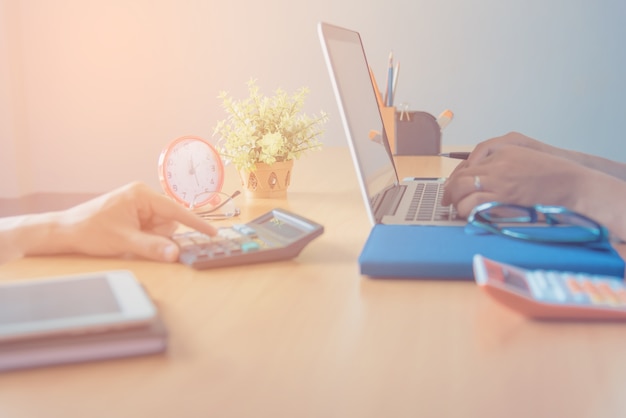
{"x":312,"y":338}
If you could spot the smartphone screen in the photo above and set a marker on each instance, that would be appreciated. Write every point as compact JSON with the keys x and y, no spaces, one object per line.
{"x":57,"y":300}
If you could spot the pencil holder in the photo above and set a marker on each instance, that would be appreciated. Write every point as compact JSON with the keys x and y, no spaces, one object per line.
{"x":411,"y":132}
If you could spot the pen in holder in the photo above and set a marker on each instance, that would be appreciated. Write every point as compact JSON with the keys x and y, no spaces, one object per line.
{"x":411,"y":132}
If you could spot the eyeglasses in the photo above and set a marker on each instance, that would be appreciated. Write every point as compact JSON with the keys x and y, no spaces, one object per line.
{"x":215,"y":205}
{"x":563,"y":226}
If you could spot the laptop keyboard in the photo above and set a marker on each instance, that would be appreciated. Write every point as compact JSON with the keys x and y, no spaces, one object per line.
{"x":426,"y":204}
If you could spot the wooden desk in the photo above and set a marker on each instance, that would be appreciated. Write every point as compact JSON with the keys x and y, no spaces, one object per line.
{"x":312,"y":338}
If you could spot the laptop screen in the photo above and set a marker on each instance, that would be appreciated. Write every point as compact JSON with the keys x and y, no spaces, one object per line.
{"x":361,"y":117}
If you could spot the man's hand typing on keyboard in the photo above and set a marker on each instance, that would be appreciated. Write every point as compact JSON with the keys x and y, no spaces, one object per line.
{"x":520,"y":170}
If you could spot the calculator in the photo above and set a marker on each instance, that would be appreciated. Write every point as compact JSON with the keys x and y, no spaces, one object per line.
{"x":552,"y":294}
{"x":275,"y":235}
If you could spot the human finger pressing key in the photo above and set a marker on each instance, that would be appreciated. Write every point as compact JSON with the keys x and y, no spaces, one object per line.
{"x":131,"y":220}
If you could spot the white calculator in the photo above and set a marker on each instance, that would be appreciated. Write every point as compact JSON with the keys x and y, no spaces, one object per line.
{"x":552,"y":294}
{"x":276,"y":235}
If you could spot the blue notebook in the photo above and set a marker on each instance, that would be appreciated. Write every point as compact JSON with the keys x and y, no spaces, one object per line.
{"x":447,"y":251}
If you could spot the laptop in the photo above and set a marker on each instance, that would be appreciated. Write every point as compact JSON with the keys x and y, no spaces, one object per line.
{"x":387,"y":200}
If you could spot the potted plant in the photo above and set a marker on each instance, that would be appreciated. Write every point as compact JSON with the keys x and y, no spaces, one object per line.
{"x":262,"y":136}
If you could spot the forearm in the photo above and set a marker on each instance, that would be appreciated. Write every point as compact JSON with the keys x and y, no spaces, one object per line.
{"x":35,"y":234}
{"x":602,"y":197}
{"x":610,"y":167}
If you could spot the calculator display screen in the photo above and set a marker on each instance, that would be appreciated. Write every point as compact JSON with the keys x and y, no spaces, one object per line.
{"x":516,"y":279}
{"x":282,"y":228}
{"x":511,"y":277}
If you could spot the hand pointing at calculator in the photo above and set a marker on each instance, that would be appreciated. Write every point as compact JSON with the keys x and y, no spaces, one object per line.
{"x":131,"y":220}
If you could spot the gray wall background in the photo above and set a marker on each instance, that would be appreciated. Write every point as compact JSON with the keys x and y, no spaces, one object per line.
{"x":124,"y":77}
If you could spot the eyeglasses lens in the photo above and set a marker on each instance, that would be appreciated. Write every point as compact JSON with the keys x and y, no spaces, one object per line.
{"x":553,"y":224}
{"x":503,"y":214}
{"x":217,"y":205}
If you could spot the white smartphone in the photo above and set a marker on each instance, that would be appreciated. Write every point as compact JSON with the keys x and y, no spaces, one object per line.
{"x":76,"y":304}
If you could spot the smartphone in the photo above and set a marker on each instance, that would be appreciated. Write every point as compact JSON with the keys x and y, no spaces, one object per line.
{"x":77,"y":304}
{"x":552,"y":294}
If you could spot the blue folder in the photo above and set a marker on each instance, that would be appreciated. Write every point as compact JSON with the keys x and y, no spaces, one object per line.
{"x":447,"y":251}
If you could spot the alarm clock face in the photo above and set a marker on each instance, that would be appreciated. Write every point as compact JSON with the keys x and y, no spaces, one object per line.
{"x":189,"y":169}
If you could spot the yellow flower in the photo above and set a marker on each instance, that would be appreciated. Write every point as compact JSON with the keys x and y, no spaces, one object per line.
{"x":267,"y":129}
{"x":271,"y":145}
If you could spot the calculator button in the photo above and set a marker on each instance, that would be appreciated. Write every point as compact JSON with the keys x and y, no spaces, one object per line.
{"x":594,"y":295}
{"x":218,"y":251}
{"x":577,"y":293}
{"x":205,"y":250}
{"x":232,"y":247}
{"x":228,"y":233}
{"x":574,"y":287}
{"x":553,"y":280}
{"x":245,"y":230}
{"x":621,"y":295}
{"x":249,"y":246}
{"x":541,"y":281}
{"x":610,"y":298}
{"x":200,"y":239}
{"x":533,"y":282}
